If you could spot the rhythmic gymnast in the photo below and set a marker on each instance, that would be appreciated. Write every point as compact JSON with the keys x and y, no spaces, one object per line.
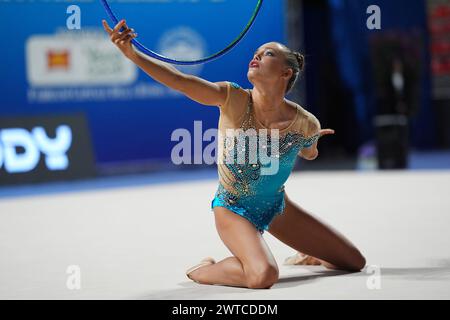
{"x":246,"y":202}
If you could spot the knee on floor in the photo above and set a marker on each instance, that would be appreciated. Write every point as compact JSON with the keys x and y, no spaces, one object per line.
{"x":263,"y":278}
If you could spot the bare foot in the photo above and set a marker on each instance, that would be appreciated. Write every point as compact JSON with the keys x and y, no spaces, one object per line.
{"x":301,"y":259}
{"x":192,"y":272}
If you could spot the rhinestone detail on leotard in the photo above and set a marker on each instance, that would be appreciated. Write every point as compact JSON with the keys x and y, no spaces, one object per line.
{"x":244,"y":175}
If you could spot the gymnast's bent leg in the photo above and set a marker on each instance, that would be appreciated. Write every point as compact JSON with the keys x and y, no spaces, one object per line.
{"x":307,"y":234}
{"x":252,"y":264}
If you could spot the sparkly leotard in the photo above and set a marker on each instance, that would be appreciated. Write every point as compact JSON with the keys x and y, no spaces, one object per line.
{"x":254,"y":188}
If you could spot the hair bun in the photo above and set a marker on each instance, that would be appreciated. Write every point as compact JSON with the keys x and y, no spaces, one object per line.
{"x":300,"y":59}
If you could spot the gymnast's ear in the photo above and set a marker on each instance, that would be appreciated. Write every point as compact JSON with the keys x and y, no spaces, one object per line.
{"x":287,"y":73}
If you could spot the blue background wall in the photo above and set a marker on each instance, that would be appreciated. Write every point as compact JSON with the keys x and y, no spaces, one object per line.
{"x":134,"y":129}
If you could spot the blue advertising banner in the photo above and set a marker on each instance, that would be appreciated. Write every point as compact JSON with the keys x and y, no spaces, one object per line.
{"x":49,"y":66}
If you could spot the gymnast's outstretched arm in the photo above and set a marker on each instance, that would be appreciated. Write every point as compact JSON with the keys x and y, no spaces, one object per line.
{"x":195,"y":88}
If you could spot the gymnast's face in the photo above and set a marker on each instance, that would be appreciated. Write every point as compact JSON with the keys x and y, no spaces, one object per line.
{"x":269,"y":65}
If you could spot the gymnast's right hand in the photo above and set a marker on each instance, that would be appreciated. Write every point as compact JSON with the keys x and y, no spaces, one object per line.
{"x":122,"y":39}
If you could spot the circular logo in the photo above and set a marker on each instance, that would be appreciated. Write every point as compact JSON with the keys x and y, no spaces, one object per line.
{"x":183,"y":43}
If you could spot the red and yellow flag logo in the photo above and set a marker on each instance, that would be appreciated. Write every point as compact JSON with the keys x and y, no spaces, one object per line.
{"x":58,"y":59}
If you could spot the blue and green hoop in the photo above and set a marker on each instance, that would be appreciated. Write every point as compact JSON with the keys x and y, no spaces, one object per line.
{"x":216,"y":55}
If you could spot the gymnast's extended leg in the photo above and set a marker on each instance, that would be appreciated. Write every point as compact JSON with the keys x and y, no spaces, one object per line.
{"x":307,"y":234}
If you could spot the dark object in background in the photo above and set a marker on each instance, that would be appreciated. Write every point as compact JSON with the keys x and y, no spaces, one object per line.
{"x":439,"y":26}
{"x":443,"y":121}
{"x":397,"y":63}
{"x":392,"y":141}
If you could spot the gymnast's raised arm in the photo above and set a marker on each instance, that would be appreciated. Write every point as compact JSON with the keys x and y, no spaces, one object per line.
{"x":195,"y":88}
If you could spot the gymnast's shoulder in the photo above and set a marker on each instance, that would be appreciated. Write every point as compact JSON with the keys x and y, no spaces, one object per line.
{"x":307,"y":124}
{"x":236,"y":98}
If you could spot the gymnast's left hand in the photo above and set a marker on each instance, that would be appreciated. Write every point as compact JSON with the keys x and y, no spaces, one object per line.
{"x":324,"y":132}
{"x":312,"y":152}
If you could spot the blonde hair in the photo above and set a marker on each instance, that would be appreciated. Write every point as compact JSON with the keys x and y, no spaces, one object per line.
{"x":296,"y":61}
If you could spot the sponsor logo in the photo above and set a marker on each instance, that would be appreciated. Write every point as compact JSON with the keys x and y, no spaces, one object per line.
{"x":183,"y":43}
{"x":76,"y":60}
{"x":45,"y":148}
{"x":20,"y":149}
